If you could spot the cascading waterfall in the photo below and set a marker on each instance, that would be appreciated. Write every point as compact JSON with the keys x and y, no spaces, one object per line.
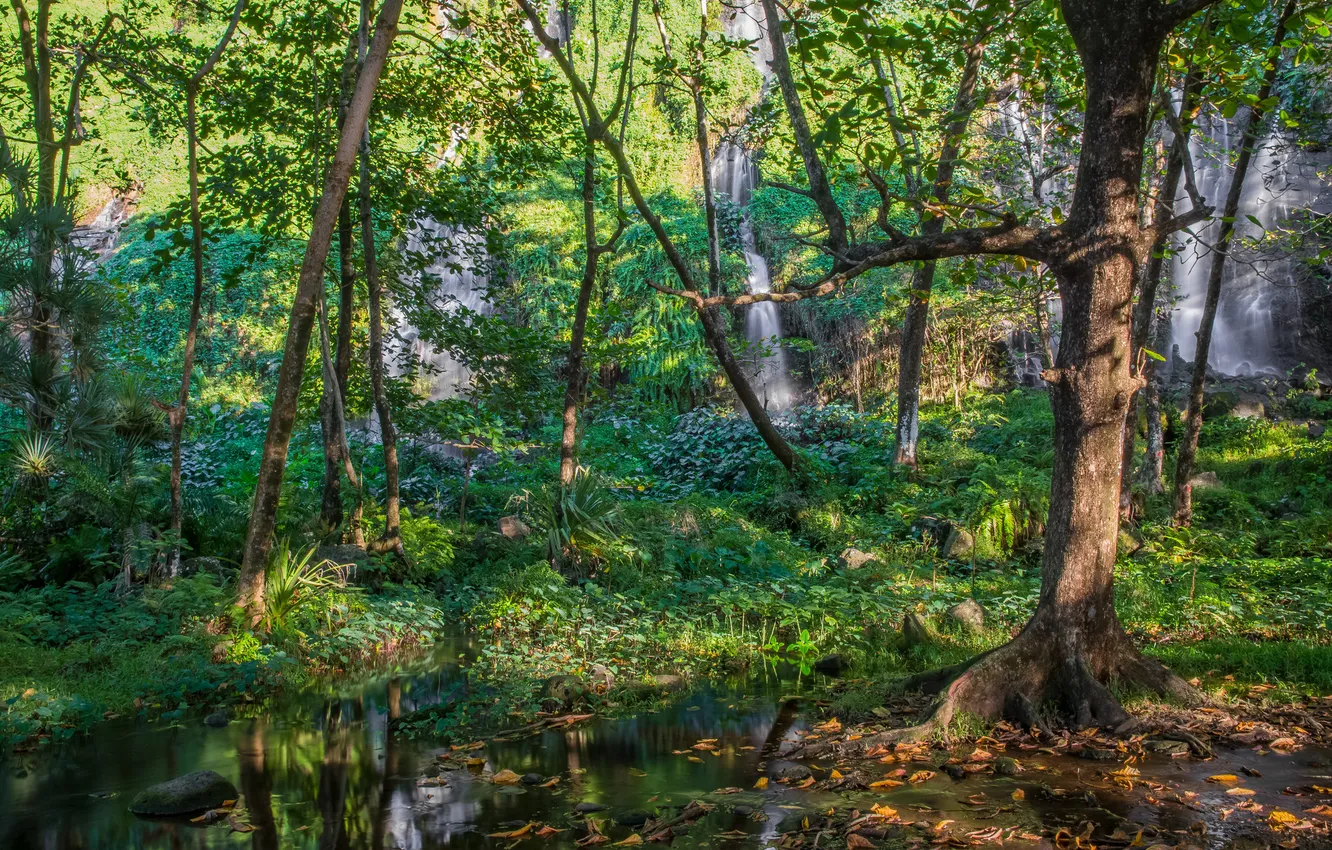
{"x":1245,"y":339}
{"x":452,"y":261}
{"x":734,"y":175}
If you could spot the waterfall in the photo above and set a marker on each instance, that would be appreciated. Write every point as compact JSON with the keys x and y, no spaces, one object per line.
{"x":452,"y":258}
{"x":733,"y":176}
{"x":1250,"y":335}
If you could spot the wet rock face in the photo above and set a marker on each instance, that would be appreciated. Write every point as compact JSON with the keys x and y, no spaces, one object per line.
{"x":184,"y":795}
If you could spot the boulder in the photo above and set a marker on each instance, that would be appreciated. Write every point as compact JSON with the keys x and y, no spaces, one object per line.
{"x":184,"y":795}
{"x":914,"y":630}
{"x":1129,"y":542}
{"x":1316,"y":430}
{"x":668,"y":682}
{"x":1006,"y":766}
{"x":589,"y":808}
{"x":854,"y":559}
{"x":968,"y":616}
{"x":560,"y":693}
{"x":513,"y":528}
{"x":218,"y":719}
{"x":958,"y":545}
{"x":1249,"y":406}
{"x":1205,"y":481}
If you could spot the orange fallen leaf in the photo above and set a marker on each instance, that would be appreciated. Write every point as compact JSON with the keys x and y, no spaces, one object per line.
{"x":762,"y":783}
{"x":921,"y":776}
{"x":517,"y":833}
{"x":506,"y":777}
{"x":884,"y":784}
{"x":631,"y":841}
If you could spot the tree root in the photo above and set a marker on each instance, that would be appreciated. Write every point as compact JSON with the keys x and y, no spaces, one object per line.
{"x":1035,"y":668}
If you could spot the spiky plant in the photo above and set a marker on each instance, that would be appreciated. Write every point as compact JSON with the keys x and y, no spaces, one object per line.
{"x":579,"y":519}
{"x":34,"y":457}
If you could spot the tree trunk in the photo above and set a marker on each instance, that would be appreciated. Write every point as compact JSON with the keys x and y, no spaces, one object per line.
{"x":1145,"y":309}
{"x":330,"y":511}
{"x":1253,"y":129}
{"x":1074,"y":643}
{"x":391,"y":539}
{"x":922,"y":280}
{"x":273,"y":461}
{"x":176,"y":417}
{"x":714,"y":328}
{"x":577,"y":377}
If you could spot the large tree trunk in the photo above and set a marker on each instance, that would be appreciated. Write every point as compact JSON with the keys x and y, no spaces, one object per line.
{"x":1073,"y":645}
{"x":1253,"y":130}
{"x":918,"y":307}
{"x":273,"y":461}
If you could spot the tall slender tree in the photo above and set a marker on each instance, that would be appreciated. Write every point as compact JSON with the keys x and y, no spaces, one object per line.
{"x":1254,"y":129}
{"x":176,"y":416}
{"x":273,"y":460}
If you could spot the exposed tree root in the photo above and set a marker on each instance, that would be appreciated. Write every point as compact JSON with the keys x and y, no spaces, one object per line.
{"x":1037,"y":668}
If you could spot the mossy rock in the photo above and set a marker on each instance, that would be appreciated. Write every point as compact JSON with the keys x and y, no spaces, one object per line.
{"x":184,"y":795}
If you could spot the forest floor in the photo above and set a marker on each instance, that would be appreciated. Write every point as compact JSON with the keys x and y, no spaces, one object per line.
{"x":712,"y":560}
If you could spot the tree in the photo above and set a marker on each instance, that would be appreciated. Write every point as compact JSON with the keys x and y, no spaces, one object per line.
{"x":272,"y":464}
{"x":176,"y":415}
{"x":1074,"y":644}
{"x":1253,"y":131}
{"x":709,"y":314}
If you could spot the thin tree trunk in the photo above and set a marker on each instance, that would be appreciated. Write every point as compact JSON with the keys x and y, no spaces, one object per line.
{"x":577,"y":377}
{"x":1145,"y":308}
{"x":273,"y":461}
{"x":1253,"y":129}
{"x":922,"y":280}
{"x":714,"y":327}
{"x":176,"y":417}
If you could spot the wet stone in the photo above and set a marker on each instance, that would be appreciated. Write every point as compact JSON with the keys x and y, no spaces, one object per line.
{"x":1172,"y":748}
{"x":794,"y":773}
{"x":1005,"y":766}
{"x":589,"y":808}
{"x":533,"y":779}
{"x":1097,"y":754}
{"x":217,"y":719}
{"x":184,"y":795}
{"x":633,"y":818}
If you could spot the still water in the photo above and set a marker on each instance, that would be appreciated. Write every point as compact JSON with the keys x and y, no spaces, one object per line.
{"x":323,"y":772}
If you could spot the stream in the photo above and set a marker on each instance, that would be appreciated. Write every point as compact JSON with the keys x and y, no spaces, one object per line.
{"x":321,"y":771}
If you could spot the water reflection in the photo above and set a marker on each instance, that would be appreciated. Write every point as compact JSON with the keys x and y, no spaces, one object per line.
{"x":324,"y":773}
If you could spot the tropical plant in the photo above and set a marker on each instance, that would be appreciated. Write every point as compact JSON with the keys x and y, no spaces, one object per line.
{"x":579,"y":520}
{"x":291,"y":578}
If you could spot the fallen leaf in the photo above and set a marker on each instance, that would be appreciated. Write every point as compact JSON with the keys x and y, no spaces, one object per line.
{"x":836,"y":774}
{"x":517,"y":833}
{"x":631,"y":841}
{"x":547,"y":831}
{"x":856,"y":841}
{"x":506,"y":777}
{"x":883,"y":811}
{"x":1223,"y":777}
{"x":1240,"y":792}
{"x":884,"y":784}
{"x":1279,"y":819}
{"x":1019,"y":794}
{"x":551,"y":783}
{"x":475,"y":762}
{"x":921,"y":776}
{"x":238,"y":825}
{"x":633,"y":771}
{"x":762,"y":783}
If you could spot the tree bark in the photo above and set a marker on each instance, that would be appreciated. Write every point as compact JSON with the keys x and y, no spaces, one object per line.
{"x":273,"y":460}
{"x":1253,"y":129}
{"x":922,"y":280}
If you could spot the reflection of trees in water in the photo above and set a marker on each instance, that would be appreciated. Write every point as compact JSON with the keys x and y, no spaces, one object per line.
{"x":257,"y":786}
